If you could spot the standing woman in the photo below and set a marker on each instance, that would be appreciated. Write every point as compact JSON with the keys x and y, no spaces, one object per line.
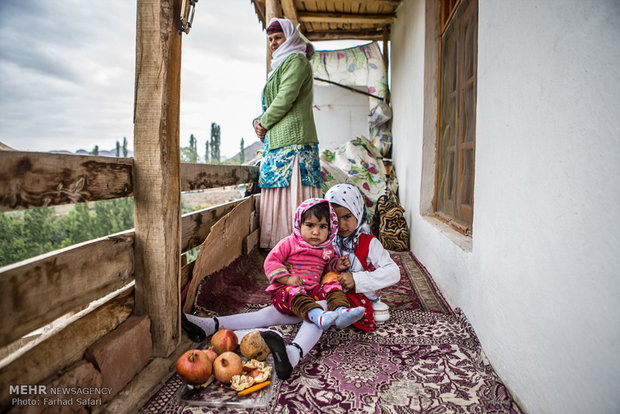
{"x":290,"y":170}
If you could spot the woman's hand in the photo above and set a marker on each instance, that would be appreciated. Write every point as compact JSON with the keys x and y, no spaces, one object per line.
{"x":346,"y":280}
{"x":342,"y":263}
{"x":260,"y":131}
{"x":294,"y":280}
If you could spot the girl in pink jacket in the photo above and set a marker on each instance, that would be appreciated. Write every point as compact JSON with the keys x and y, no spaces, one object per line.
{"x":295,"y":266}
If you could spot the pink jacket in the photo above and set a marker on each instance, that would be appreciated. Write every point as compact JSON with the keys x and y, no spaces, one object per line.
{"x":302,"y":259}
{"x":306,"y":262}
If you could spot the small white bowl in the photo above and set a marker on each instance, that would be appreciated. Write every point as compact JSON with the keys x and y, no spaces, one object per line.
{"x":381,"y":311}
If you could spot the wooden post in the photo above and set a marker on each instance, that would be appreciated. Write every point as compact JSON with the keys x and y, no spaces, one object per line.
{"x":386,"y":38}
{"x":272,"y":9}
{"x":157,"y":170}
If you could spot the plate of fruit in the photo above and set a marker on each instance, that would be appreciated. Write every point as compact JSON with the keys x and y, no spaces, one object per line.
{"x":229,"y":373}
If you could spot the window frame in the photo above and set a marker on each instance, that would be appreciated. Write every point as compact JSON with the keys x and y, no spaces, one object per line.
{"x":461,"y":218}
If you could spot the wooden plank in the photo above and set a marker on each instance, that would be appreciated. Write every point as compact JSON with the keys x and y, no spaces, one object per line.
{"x":385,"y":54}
{"x":39,"y":179}
{"x":223,"y":245}
{"x":200,"y":176}
{"x":250,"y":242}
{"x":346,"y":18}
{"x":186,"y":273}
{"x":197,"y":224}
{"x":272,"y":9}
{"x":344,"y":35}
{"x":157,"y":170}
{"x":289,"y":10}
{"x":66,"y":346}
{"x":150,"y":380}
{"x":355,"y":3}
{"x":36,"y":291}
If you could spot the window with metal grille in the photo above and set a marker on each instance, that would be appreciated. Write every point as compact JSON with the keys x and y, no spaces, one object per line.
{"x":454,"y":176}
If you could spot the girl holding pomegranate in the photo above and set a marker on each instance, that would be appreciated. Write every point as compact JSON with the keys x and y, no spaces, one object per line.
{"x":370,"y":268}
{"x":295,"y":265}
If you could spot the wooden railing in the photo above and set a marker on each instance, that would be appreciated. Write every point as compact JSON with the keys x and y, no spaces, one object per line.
{"x":94,"y":279}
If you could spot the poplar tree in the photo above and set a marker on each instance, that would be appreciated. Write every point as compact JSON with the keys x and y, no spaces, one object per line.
{"x":215,"y":143}
{"x":242,"y":152}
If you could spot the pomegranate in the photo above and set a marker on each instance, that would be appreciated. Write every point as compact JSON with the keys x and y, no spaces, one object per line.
{"x":253,"y":346}
{"x":194,"y":367}
{"x":329,"y":277}
{"x":210,"y":354}
{"x":227,"y":366}
{"x":224,"y":340}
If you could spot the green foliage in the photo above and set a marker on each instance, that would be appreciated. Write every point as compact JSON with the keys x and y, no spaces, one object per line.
{"x":190,"y":154}
{"x":29,"y":233}
{"x":215,"y":143}
{"x":125,"y":151}
{"x":37,"y":231}
{"x":95,"y":150}
{"x":242,"y":152}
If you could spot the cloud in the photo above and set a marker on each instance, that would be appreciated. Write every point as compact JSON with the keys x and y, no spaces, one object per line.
{"x":67,"y":73}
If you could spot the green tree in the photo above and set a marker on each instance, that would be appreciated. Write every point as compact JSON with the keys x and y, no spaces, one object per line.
{"x":29,"y":233}
{"x":95,"y":150}
{"x":242,"y":152}
{"x":38,"y":230}
{"x":190,"y":154}
{"x":215,"y":143}
{"x":125,"y":152}
{"x":12,"y":244}
{"x":118,"y":149}
{"x":79,"y":224}
{"x":207,"y":159}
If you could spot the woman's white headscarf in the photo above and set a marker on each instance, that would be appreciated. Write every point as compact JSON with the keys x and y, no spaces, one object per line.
{"x":293,"y":43}
{"x":349,"y":197}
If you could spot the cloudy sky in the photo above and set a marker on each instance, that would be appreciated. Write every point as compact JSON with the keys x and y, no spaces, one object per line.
{"x":67,"y":73}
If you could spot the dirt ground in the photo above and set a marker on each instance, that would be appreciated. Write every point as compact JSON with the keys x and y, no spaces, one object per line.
{"x":212,"y":196}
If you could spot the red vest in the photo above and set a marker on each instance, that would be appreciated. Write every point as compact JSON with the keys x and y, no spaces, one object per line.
{"x":367,"y":323}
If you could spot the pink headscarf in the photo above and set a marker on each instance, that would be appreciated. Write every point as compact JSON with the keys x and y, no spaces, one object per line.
{"x":305,"y":206}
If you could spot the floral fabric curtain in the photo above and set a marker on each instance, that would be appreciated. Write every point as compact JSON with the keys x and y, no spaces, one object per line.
{"x":356,"y":66}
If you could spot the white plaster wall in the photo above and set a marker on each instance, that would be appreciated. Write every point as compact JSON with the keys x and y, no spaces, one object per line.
{"x":540,"y":281}
{"x":339,"y":114}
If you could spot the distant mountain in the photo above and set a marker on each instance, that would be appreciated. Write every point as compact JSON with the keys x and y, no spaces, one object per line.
{"x":103,"y":153}
{"x":249,"y":152}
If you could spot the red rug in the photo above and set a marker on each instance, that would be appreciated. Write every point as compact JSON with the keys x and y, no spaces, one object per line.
{"x":425,"y":359}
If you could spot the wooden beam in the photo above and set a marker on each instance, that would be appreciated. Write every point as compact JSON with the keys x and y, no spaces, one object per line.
{"x":36,"y":291}
{"x":349,"y":3}
{"x":157,"y":170}
{"x":345,"y":18}
{"x":272,"y":9}
{"x":386,"y":39}
{"x":344,"y":35}
{"x":289,"y":10}
{"x":66,"y":346}
{"x":41,"y":179}
{"x":201,"y":176}
{"x":197,"y":224}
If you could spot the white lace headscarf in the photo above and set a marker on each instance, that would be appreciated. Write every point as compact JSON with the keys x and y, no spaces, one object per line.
{"x":293,"y":43}
{"x":349,"y":197}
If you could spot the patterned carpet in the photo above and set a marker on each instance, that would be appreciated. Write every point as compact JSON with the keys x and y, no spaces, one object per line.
{"x":425,"y":359}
